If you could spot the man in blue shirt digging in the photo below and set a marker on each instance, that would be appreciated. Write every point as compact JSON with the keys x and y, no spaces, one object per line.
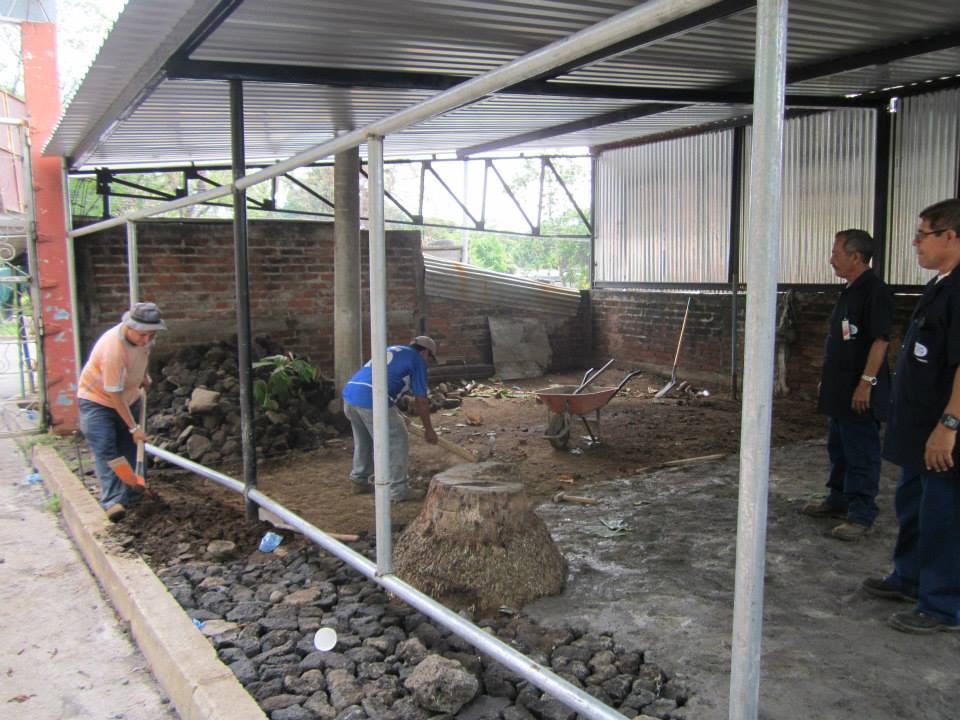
{"x":406,"y":372}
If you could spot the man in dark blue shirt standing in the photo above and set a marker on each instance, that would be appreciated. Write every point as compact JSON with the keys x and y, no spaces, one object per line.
{"x":921,"y":438}
{"x":854,"y":388}
{"x":406,"y":372}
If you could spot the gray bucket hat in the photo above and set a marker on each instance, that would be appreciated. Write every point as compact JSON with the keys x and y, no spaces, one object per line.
{"x":144,"y":317}
{"x":427,"y":344}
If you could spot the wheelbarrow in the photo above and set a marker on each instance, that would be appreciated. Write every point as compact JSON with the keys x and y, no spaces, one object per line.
{"x":564,"y":401}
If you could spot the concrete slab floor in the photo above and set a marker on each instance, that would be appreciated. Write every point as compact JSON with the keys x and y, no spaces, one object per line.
{"x":64,"y":655}
{"x":666,"y":586}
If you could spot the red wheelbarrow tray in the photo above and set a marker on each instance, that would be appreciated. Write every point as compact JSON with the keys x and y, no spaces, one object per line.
{"x":561,"y":399}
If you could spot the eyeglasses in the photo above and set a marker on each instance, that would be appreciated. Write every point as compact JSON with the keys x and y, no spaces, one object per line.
{"x":921,"y":234}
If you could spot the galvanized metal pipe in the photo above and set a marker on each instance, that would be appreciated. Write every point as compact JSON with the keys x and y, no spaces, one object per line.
{"x":378,"y":350}
{"x":573,"y":697}
{"x":174,"y":459}
{"x":152,"y":210}
{"x":133,"y":263}
{"x":33,"y":267}
{"x":762,"y":271}
{"x":242,"y":282}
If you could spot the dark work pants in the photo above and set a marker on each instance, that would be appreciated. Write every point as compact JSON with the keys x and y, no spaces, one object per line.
{"x":853,"y":444}
{"x":926,"y":559}
{"x":109,"y":438}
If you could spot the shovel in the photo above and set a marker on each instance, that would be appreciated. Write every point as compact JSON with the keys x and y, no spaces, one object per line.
{"x":673,"y":375}
{"x":121,"y":466}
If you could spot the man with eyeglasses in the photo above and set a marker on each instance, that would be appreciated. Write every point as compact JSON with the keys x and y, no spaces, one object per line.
{"x":921,"y":438}
{"x":109,"y":400}
{"x":854,"y":388}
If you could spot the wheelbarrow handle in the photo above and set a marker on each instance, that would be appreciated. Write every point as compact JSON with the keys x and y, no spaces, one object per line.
{"x":628,"y":378}
{"x":593,"y":377}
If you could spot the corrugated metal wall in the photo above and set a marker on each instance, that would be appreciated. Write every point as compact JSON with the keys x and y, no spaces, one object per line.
{"x":663,"y":211}
{"x":470,"y":284}
{"x":926,"y":147}
{"x":828,"y":185}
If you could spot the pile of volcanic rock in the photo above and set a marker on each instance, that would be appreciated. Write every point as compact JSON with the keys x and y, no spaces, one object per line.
{"x":261,"y":613}
{"x":194,"y":407}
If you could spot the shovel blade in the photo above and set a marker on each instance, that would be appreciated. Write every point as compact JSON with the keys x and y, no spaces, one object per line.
{"x":121,"y":466}
{"x":666,"y":389}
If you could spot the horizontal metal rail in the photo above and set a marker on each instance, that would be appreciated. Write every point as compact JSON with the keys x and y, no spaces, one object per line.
{"x":644,"y":17}
{"x":544,"y":678}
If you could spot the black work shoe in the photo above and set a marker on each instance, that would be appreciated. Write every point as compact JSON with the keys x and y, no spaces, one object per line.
{"x":361,"y":488}
{"x":822,"y":509}
{"x":919,"y":623}
{"x":849,"y":532}
{"x":880,"y":588}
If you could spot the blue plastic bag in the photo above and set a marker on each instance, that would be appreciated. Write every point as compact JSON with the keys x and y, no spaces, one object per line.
{"x":270,"y":542}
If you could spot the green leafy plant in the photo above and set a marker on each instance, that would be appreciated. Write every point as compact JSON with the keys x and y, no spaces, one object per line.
{"x":287,"y":378}
{"x":53,"y":504}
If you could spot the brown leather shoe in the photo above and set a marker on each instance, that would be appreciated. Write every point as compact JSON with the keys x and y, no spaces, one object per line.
{"x":116,"y":512}
{"x":849,"y":532}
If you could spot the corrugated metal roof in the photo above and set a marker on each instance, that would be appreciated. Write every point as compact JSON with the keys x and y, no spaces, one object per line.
{"x":125,"y":112}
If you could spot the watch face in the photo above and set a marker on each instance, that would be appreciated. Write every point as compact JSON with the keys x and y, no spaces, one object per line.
{"x":950,"y":422}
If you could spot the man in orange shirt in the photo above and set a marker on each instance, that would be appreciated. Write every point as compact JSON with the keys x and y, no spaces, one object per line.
{"x":109,"y":399}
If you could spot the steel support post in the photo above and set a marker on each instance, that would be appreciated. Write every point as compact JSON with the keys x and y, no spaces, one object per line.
{"x":242,"y":271}
{"x":881,"y":190}
{"x":133,"y":262}
{"x":347,"y":309}
{"x":33,"y":268}
{"x":733,"y":262}
{"x":757,"y":406}
{"x":378,"y":351}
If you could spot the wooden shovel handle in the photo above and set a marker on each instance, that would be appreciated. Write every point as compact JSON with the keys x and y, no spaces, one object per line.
{"x":445,"y":444}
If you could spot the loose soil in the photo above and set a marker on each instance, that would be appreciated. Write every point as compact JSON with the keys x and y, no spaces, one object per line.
{"x":637,"y":431}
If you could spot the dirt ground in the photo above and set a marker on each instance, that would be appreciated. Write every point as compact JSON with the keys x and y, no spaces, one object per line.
{"x":664,"y":584}
{"x":636,"y":431}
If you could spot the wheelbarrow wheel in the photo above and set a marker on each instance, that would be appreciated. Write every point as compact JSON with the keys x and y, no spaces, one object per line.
{"x":558,"y":430}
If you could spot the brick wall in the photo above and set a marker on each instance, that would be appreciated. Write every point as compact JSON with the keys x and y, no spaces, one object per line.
{"x":640,"y":329}
{"x":186,"y":267}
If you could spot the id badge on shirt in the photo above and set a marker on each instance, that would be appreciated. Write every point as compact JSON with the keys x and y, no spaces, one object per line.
{"x":845,"y":329}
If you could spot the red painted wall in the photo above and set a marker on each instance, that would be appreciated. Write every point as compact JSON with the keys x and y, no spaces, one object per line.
{"x":39,"y":43}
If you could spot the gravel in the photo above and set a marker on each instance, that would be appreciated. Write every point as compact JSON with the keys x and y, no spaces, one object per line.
{"x":390,"y":662}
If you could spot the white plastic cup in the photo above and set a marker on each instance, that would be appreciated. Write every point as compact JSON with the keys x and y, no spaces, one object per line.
{"x":325,"y":639}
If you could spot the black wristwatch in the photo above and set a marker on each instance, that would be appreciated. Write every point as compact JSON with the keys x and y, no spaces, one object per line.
{"x":951,"y":422}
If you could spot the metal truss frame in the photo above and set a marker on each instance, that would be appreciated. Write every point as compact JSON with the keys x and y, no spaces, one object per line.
{"x":116,"y":184}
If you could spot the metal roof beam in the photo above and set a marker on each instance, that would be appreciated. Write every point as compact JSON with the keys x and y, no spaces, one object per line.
{"x":182,"y":69}
{"x":707,"y":15}
{"x":880,"y":56}
{"x":630,"y":113}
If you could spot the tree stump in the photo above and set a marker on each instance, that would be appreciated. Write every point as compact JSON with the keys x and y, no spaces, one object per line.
{"x":477,"y":544}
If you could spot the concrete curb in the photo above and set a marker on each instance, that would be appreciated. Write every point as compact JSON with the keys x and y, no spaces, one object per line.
{"x":181,"y":659}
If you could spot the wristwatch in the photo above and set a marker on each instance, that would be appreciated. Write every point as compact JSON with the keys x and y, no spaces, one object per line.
{"x":134,"y":429}
{"x":872,"y":379}
{"x":951,"y":422}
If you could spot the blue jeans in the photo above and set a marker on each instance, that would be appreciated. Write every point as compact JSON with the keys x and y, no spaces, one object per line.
{"x":110,"y":438}
{"x":361,"y":421}
{"x":926,"y":559}
{"x":853,"y":444}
